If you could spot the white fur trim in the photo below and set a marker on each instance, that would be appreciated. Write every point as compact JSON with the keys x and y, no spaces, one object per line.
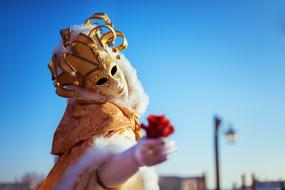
{"x":101,"y":151}
{"x":150,"y":178}
{"x":137,"y":99}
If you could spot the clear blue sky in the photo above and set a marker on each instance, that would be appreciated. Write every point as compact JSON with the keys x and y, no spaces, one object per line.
{"x":194,"y":58}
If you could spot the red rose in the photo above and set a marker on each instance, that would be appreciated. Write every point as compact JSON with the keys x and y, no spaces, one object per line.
{"x":158,"y":126}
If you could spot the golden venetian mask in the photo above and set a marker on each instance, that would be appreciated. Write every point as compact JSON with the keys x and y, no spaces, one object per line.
{"x":85,"y":62}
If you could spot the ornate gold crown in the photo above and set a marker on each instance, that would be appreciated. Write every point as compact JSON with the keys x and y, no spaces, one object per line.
{"x":81,"y":56}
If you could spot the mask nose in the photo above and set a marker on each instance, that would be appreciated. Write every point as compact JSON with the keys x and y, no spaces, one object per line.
{"x":121,"y":85}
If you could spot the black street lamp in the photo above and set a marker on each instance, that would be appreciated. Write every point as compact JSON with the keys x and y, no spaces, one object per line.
{"x":231,"y":135}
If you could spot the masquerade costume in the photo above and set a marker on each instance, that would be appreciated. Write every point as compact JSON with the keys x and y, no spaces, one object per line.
{"x":102,"y":115}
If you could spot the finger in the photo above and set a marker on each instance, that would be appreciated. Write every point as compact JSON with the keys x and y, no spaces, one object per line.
{"x":156,"y":148}
{"x":170,"y":146}
{"x":161,"y":158}
{"x":170,"y":143}
{"x":153,"y":151}
{"x":168,"y":151}
{"x":167,"y":148}
{"x":165,"y":152}
{"x":155,"y":159}
{"x":161,"y":142}
{"x":154,"y":141}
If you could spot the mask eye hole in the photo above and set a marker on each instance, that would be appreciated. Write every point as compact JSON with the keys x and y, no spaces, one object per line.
{"x":101,"y":81}
{"x":114,"y":70}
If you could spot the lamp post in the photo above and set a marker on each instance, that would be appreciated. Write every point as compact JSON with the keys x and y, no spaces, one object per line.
{"x":231,"y":134}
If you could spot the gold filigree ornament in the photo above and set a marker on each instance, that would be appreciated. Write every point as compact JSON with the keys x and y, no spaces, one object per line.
{"x":85,"y":62}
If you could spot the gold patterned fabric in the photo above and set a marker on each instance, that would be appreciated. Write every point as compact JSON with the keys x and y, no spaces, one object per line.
{"x":81,"y":124}
{"x":82,"y":120}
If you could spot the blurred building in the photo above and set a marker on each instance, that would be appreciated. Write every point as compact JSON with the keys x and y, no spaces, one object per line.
{"x":29,"y":181}
{"x":270,"y":185}
{"x":19,"y":186}
{"x":182,"y":183}
{"x":14,"y":186}
{"x":257,"y":184}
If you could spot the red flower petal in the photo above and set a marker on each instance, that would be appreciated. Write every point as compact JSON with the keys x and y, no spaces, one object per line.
{"x":158,"y":126}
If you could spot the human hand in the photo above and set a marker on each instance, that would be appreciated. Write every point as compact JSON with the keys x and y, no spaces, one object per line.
{"x":149,"y":152}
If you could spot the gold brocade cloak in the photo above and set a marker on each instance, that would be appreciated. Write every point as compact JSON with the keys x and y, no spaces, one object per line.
{"x":81,"y":124}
